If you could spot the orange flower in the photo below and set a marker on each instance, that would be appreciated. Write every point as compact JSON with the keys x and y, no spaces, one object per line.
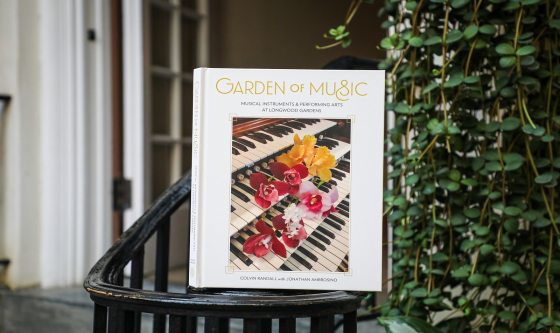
{"x":321,"y":164}
{"x":302,"y":151}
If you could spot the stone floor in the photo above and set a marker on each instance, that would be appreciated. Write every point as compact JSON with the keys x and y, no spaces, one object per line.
{"x":70,"y":310}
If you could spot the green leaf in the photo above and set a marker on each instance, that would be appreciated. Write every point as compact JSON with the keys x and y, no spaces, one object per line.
{"x":472,"y":213}
{"x":402,"y":324}
{"x":547,"y":178}
{"x":434,"y":40}
{"x":412,"y":180}
{"x":506,"y":62}
{"x":411,"y":5}
{"x":459,"y":3}
{"x":453,"y":81}
{"x":510,"y":123}
{"x":505,"y":49}
{"x":431,"y":86}
{"x":487,"y":29}
{"x":470,"y":31}
{"x":478,"y":280}
{"x":512,"y":211}
{"x":526,"y":50}
{"x":486,"y":249}
{"x":453,"y":36}
{"x":461,"y":272}
{"x":453,"y":186}
{"x":506,"y":315}
{"x":416,"y":41}
{"x":419,"y":292}
{"x":555,"y":24}
{"x":387,"y":43}
{"x":510,"y":267}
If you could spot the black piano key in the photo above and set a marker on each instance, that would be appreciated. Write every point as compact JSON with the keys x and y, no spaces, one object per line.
{"x":333,"y":142}
{"x":265,"y":136}
{"x":343,"y":212}
{"x":333,"y":182}
{"x":239,"y":146}
{"x":336,"y":219}
{"x":321,"y":143}
{"x":326,"y":232}
{"x":246,"y":188}
{"x":285,"y":128}
{"x":256,"y":138}
{"x":240,"y":195}
{"x":306,"y":121}
{"x":338,"y":173}
{"x":285,"y":268}
{"x":301,"y":261}
{"x":273,"y":132}
{"x":308,"y":253}
{"x":234,"y":151}
{"x":266,"y":172}
{"x":317,"y":243}
{"x":322,"y":238}
{"x":245,"y":142}
{"x":294,"y":125}
{"x":240,"y":255}
{"x":232,"y":208}
{"x":344,"y":206}
{"x":333,"y":224}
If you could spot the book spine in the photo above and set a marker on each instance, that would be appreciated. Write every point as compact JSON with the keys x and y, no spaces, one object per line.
{"x":195,"y":227}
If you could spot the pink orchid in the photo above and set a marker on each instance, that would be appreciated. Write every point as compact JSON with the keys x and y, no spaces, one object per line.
{"x":292,"y":176}
{"x":314,"y":203}
{"x":268,"y":192}
{"x":260,"y":244}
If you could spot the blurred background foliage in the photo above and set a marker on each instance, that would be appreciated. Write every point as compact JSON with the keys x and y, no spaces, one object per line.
{"x":474,"y":163}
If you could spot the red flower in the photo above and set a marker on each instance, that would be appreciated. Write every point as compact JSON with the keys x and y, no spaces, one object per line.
{"x":267,"y":191}
{"x":260,"y":244}
{"x":292,"y":176}
{"x":292,"y":231}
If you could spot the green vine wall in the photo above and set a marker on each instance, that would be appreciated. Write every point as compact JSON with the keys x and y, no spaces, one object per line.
{"x":475,"y":161}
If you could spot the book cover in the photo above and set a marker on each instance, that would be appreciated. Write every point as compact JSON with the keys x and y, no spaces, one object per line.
{"x":287,"y":179}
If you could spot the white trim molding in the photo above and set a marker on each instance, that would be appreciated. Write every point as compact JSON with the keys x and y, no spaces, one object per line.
{"x":133,"y":117}
{"x":75,"y":139}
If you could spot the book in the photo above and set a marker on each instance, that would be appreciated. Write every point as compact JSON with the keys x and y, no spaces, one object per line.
{"x":287,"y":179}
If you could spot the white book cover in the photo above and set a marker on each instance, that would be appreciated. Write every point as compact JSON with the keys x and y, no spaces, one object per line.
{"x":287,"y":186}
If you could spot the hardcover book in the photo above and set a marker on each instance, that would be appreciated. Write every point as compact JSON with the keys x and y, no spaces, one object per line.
{"x":287,"y":179}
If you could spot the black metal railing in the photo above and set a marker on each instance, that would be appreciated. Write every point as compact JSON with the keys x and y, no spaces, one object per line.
{"x":119,"y":308}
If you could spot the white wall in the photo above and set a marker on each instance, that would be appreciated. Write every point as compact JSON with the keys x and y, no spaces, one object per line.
{"x":19,"y":141}
{"x":55,"y":143}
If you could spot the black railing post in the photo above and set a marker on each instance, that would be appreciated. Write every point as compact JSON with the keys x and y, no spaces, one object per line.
{"x":162,"y":267}
{"x":99,"y":319}
{"x":133,"y":319}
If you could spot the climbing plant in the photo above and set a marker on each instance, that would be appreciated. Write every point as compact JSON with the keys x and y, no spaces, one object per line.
{"x":474,"y":162}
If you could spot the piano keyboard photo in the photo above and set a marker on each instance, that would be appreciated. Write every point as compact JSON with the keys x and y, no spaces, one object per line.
{"x":255,"y":144}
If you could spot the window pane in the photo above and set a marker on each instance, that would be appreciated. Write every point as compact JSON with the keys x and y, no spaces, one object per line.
{"x":188,"y":44}
{"x":186,"y":116}
{"x":161,"y":105}
{"x":161,"y":168}
{"x":160,"y":32}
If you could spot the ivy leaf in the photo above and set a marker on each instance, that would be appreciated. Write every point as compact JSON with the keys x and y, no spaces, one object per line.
{"x":434,"y":40}
{"x":546,"y":178}
{"x":506,"y":62}
{"x":526,"y":50}
{"x":505,"y":49}
{"x":416,"y":41}
{"x":453,"y":36}
{"x":470,"y":31}
{"x":387,"y":43}
{"x":412,"y":180}
{"x":510,"y":267}
{"x":431,"y":86}
{"x":487,"y":29}
{"x":459,"y":3}
{"x":510,"y":123}
{"x":555,"y":24}
{"x":486,"y":249}
{"x":512,"y":211}
{"x":419,"y":292}
{"x":478,"y":280}
{"x":399,"y":324}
